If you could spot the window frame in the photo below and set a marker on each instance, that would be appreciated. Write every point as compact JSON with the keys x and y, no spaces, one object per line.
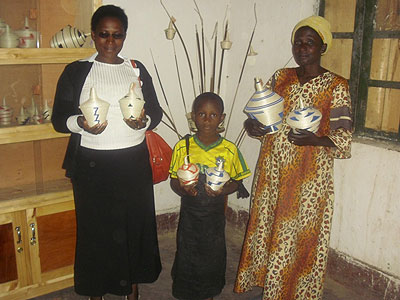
{"x":359,"y":82}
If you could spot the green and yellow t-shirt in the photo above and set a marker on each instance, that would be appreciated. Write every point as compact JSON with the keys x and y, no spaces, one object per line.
{"x":206,"y":156}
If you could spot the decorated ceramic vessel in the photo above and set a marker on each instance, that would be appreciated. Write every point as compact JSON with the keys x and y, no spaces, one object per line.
{"x":23,"y":117}
{"x":170,"y":31}
{"x":226,"y":44}
{"x":307,"y":118}
{"x":188,"y":173}
{"x":27,"y":36}
{"x":8,"y":39}
{"x":68,"y":37}
{"x":94,"y":109}
{"x":266,"y":107}
{"x":6,"y":113}
{"x":216,"y":177}
{"x":132,"y":104}
{"x":46,"y":112}
{"x":2,"y":26}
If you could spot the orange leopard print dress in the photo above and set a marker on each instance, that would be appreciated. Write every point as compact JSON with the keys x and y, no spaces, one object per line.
{"x":286,"y":244}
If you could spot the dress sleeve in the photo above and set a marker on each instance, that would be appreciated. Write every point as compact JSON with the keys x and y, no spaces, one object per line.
{"x":341,"y":121}
{"x":152,"y":106}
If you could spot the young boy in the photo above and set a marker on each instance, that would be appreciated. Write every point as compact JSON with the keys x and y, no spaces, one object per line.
{"x":200,"y":260}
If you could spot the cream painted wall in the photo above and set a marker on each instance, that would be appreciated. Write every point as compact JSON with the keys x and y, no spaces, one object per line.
{"x":366,"y":223}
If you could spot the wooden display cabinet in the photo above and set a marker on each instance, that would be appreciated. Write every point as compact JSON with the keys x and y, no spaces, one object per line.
{"x":37,"y":218}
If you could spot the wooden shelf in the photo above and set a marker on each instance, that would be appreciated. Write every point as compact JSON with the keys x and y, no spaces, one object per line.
{"x":26,"y":133}
{"x":29,"y":56}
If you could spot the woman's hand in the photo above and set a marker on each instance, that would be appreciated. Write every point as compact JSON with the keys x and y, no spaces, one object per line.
{"x":254,"y":128}
{"x":138,"y":123}
{"x":96,"y":129}
{"x":307,"y":138}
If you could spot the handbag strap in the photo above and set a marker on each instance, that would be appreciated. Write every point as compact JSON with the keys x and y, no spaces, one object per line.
{"x":187,"y":136}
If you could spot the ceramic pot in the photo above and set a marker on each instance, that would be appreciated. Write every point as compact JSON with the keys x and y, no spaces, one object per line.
{"x":94,"y":109}
{"x":9,"y":39}
{"x":132,"y":104}
{"x":46,"y":112}
{"x":307,"y":118}
{"x":170,"y":31}
{"x":22,"y":118}
{"x":68,"y":37}
{"x":2,"y":26}
{"x":226,"y":44}
{"x":216,"y":177}
{"x":266,"y":107}
{"x":6,"y":113}
{"x":188,"y":173}
{"x":27,"y":36}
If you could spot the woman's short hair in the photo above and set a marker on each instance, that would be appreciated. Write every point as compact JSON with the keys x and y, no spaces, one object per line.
{"x":109,"y":11}
{"x":208,"y":96}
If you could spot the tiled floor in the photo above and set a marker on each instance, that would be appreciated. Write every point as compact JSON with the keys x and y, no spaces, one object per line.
{"x":161,"y":289}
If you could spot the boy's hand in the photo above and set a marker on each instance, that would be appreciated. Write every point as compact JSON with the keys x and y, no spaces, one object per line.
{"x":210,"y":192}
{"x":190,"y":189}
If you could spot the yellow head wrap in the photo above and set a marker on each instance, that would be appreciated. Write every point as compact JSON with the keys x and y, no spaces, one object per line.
{"x":320,"y":25}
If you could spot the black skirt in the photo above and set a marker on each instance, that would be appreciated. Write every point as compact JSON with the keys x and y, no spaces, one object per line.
{"x":200,"y":260}
{"x":116,"y":243}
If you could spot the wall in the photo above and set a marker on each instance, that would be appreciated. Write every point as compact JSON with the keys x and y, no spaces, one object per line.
{"x":366,"y":224}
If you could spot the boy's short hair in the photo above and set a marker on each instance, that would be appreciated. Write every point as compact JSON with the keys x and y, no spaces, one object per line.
{"x":109,"y":11}
{"x":208,"y":96}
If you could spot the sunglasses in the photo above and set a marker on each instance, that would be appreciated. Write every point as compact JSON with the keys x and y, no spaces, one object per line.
{"x":116,"y":36}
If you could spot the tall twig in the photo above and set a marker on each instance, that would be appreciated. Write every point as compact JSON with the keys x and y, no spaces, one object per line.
{"x":241,"y":72}
{"x":203,"y":69}
{"x":184,"y":47}
{"x":179,"y":78}
{"x":200,"y":61}
{"x":222,"y":60}
{"x":170,"y":118}
{"x":212,"y":79}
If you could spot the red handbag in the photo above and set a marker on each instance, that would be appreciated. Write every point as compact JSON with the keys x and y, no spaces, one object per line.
{"x":160,"y":154}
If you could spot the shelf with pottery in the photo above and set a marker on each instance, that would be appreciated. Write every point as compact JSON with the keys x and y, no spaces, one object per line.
{"x":27,"y":56}
{"x":26,"y":133}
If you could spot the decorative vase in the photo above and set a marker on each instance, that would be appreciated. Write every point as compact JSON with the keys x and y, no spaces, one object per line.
{"x":307,"y":118}
{"x":226,"y":44}
{"x":188,"y":173}
{"x":266,"y":107}
{"x":9,"y":39}
{"x":68,"y":37}
{"x":22,"y":118}
{"x":132,"y":104}
{"x":46,"y":112}
{"x":94,"y":109}
{"x":27,"y":36}
{"x":2,"y":26}
{"x":5,"y":113}
{"x":170,"y":31}
{"x":216,"y":177}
